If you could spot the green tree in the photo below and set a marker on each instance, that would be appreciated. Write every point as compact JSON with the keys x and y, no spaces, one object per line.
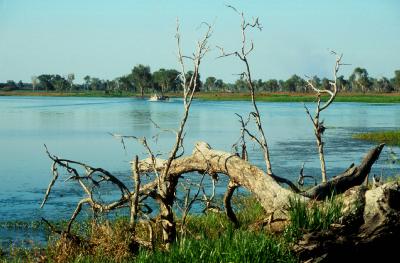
{"x":20,"y":84}
{"x":209,"y":84}
{"x":219,"y":84}
{"x":295,"y":83}
{"x":87,"y":80}
{"x":142,"y":77}
{"x":59,"y":83}
{"x":260,"y":85}
{"x":189,"y":75}
{"x":359,"y":80}
{"x":382,"y":85}
{"x":70,"y":79}
{"x":166,"y":79}
{"x":343,"y":84}
{"x":272,"y":85}
{"x":325,"y":84}
{"x":35,"y":82}
{"x":125,"y":83}
{"x":10,"y":85}
{"x":95,"y":84}
{"x":45,"y":82}
{"x":396,"y":80}
{"x":241,"y":84}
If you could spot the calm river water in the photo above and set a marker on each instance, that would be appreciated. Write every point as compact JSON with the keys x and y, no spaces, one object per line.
{"x":77,"y":128}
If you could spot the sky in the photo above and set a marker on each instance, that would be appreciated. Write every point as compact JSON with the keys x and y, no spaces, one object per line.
{"x":107,"y":38}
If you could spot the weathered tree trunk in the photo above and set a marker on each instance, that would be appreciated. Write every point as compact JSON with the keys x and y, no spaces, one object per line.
{"x":271,"y":195}
{"x":227,"y":202}
{"x":320,"y":145}
{"x":166,"y":200}
{"x":369,"y":232}
{"x":354,"y":175}
{"x":370,"y":217}
{"x":141,"y":91}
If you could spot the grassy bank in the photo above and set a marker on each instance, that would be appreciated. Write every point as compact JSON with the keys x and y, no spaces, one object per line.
{"x":302,"y":97}
{"x":69,"y":94}
{"x":209,"y":237}
{"x":388,"y":137}
{"x":225,"y":96}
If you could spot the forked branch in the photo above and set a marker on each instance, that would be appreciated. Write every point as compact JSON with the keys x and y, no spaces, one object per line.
{"x":318,"y":125}
{"x":242,"y":54}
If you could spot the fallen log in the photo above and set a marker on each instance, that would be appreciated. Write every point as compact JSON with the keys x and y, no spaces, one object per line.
{"x":271,"y":195}
{"x":353,"y":176}
{"x":370,"y":230}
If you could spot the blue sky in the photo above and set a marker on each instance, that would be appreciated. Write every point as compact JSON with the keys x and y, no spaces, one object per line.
{"x":105,"y":38}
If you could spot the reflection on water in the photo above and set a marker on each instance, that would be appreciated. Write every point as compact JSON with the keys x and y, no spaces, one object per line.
{"x":77,"y":128}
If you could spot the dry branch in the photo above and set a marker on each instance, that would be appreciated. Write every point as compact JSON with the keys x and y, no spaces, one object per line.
{"x":270,"y":194}
{"x":242,"y":55}
{"x":90,"y":176}
{"x":318,"y":125}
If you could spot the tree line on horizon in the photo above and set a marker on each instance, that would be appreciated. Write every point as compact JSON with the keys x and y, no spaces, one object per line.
{"x":142,"y":80}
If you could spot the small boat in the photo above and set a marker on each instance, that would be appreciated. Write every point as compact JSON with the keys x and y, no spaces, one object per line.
{"x":156,"y":97}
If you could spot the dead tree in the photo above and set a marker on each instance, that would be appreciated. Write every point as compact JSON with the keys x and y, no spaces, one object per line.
{"x":89,"y":181}
{"x":242,"y":54}
{"x":318,"y":125}
{"x":167,"y":184}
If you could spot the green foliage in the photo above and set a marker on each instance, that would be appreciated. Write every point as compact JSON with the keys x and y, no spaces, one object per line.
{"x":54,"y":82}
{"x":209,"y":84}
{"x":295,"y":84}
{"x":388,"y":137}
{"x":142,"y":77}
{"x":312,"y":216}
{"x":212,"y":225}
{"x":166,"y":80}
{"x":282,"y":97}
{"x":360,"y":80}
{"x":230,"y":246}
{"x":9,"y":86}
{"x":396,"y":80}
{"x":22,"y":224}
{"x":198,"y":83}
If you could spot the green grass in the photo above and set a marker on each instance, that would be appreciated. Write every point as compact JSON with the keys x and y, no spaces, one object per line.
{"x":302,"y":97}
{"x":231,"y":246}
{"x":388,"y":137}
{"x":225,"y":96}
{"x":312,"y":216}
{"x":22,"y":224}
{"x":69,"y":94}
{"x":208,"y":237}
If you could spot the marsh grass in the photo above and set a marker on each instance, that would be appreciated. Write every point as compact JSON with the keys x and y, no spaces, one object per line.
{"x":208,"y":237}
{"x":301,"y":97}
{"x":225,"y":96}
{"x":230,"y":246}
{"x":312,"y":216}
{"x":22,"y":224}
{"x":388,"y":137}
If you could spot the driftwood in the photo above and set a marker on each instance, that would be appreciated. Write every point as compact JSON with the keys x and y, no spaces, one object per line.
{"x":371,"y":218}
{"x":369,"y":232}
{"x":271,"y":195}
{"x":354,"y":175}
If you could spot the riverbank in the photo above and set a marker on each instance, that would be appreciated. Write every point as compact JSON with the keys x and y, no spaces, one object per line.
{"x":226,"y":96}
{"x":209,"y":237}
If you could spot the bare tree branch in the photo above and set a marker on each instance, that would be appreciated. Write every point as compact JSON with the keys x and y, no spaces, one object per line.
{"x":318,"y":125}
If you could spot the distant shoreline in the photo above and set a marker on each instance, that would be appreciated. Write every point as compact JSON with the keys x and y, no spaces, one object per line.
{"x":226,"y":96}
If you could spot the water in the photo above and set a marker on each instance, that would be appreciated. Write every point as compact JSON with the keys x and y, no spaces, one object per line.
{"x":78,"y":129}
